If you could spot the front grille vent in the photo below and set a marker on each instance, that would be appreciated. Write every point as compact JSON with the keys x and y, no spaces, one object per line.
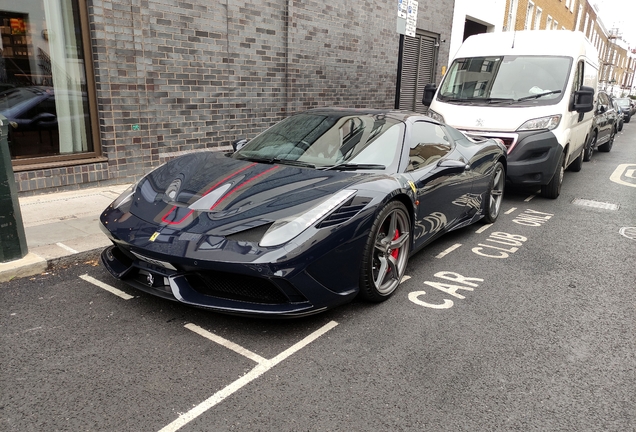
{"x":236,"y":287}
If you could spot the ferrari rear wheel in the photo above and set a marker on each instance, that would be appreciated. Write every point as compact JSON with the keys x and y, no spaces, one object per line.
{"x":386,"y":253}
{"x":495,"y":194}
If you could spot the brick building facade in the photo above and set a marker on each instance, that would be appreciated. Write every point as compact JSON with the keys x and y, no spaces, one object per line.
{"x":173,"y":77}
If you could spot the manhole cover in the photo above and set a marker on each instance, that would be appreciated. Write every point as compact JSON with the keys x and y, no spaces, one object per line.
{"x":595,"y":204}
{"x":629,"y":232}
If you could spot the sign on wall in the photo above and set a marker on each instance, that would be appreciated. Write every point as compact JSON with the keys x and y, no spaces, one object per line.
{"x":407,"y":17}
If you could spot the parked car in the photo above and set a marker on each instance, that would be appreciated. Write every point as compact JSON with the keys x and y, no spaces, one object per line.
{"x":619,"y":115}
{"x":627,"y":105}
{"x":322,"y":206}
{"x":604,"y":126}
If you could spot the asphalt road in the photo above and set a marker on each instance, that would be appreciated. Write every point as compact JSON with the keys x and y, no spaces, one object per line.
{"x":529,"y":324}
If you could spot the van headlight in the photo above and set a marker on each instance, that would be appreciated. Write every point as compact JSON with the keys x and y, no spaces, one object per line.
{"x":435,"y":116}
{"x":286,"y":229}
{"x":549,"y":123}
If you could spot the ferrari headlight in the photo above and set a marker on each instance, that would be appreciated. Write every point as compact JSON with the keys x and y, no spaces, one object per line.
{"x":549,"y":123}
{"x":284,"y":230}
{"x":125,"y":197}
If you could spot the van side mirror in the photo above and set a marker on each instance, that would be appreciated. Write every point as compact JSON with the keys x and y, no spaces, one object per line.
{"x":429,"y":94}
{"x":584,"y":99}
{"x":239,"y":144}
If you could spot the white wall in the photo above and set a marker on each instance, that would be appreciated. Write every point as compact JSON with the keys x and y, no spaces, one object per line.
{"x":487,"y":12}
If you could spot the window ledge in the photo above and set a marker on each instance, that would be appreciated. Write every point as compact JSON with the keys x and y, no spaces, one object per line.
{"x":58,"y":164}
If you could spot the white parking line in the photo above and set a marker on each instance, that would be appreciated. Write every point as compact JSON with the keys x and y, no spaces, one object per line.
{"x":226,"y":343}
{"x":529,"y":198}
{"x":482,"y":229}
{"x":449,"y":250}
{"x":511,"y":210}
{"x":107,"y":287}
{"x":405,"y":278}
{"x":258,"y":370}
{"x":69,"y":249}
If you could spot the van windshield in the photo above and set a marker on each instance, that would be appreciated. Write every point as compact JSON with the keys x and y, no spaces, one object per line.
{"x":518,"y":80}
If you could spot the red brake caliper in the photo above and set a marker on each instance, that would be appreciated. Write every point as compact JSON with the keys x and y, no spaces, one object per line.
{"x":395,"y":252}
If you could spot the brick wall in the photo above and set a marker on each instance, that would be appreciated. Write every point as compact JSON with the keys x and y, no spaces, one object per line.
{"x":180,"y":76}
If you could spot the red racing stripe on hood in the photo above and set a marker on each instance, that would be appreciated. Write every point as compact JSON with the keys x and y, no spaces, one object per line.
{"x":163,"y":219}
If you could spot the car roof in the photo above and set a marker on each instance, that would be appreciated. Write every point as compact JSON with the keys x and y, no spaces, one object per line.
{"x":401,"y":115}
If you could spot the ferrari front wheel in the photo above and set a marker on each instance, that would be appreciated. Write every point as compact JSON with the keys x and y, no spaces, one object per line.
{"x":494,"y":195}
{"x":386,"y":253}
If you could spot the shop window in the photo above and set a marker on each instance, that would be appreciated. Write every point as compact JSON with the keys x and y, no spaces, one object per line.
{"x":44,"y":91}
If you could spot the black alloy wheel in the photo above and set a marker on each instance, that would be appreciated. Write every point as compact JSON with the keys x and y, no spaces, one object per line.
{"x":494,"y":195}
{"x":386,"y":253}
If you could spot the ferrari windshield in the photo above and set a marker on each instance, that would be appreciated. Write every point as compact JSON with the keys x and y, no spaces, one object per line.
{"x":506,"y":80}
{"x":329,"y":139}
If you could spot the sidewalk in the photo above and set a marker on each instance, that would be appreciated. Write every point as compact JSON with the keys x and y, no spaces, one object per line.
{"x":60,"y":226}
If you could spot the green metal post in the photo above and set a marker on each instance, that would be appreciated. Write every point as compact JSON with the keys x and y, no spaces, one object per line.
{"x":12,"y":238}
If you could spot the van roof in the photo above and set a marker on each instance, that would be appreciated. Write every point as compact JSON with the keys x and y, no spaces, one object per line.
{"x":529,"y":42}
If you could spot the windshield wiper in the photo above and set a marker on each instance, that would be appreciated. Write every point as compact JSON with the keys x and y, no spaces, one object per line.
{"x":537,"y":96}
{"x":355,"y":166}
{"x":451,"y":100}
{"x":282,"y":162}
{"x":496,"y":100}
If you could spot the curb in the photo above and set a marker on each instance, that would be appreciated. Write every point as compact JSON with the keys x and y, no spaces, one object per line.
{"x":33,"y":264}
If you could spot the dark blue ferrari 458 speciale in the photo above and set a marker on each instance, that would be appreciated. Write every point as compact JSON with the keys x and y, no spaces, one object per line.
{"x":323,"y":206}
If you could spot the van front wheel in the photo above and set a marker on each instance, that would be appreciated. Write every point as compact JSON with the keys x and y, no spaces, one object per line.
{"x":553,"y":189}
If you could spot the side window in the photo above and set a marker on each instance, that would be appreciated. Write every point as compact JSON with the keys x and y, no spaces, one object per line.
{"x":429,"y":142}
{"x":578,"y":77}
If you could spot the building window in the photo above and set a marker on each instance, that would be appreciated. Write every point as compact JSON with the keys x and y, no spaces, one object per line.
{"x":529,"y":15}
{"x":512,"y":14}
{"x":587,"y":19}
{"x":548,"y":23}
{"x":43,"y":81}
{"x":555,"y":25}
{"x":578,"y":18}
{"x":537,"y":19}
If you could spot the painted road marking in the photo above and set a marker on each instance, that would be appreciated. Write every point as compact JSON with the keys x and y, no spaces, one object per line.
{"x":532,"y":218}
{"x":226,"y":343}
{"x":529,"y":198}
{"x":468,"y":284}
{"x":107,"y":287}
{"x":482,"y":229}
{"x":512,"y":241}
{"x":69,"y":249}
{"x":449,"y":250}
{"x":405,"y":278}
{"x":258,"y":370}
{"x":626,"y":170}
{"x":511,"y":210}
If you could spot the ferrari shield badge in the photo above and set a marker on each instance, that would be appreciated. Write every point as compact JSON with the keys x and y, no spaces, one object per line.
{"x":412,"y":186}
{"x":154,"y":236}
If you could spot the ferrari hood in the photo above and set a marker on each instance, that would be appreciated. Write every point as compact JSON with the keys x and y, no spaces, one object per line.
{"x":208,"y":192}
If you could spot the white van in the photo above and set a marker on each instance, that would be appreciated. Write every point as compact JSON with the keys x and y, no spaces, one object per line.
{"x":532,"y":89}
